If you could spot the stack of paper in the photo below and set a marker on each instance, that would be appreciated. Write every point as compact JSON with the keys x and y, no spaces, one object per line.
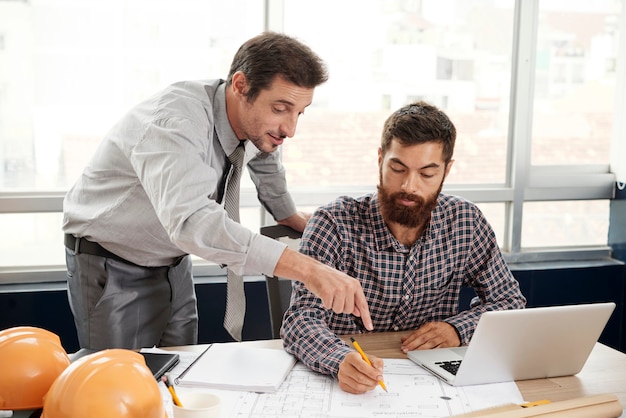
{"x":238,"y":367}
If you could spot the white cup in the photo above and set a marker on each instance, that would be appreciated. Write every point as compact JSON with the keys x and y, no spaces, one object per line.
{"x":197,"y":405}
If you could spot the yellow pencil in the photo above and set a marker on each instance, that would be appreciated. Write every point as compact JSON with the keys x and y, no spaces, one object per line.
{"x":166,"y":379}
{"x":535,"y":403}
{"x":362,"y":353}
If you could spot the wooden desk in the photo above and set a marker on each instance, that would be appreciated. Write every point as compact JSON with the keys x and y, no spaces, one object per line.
{"x":604,"y":372}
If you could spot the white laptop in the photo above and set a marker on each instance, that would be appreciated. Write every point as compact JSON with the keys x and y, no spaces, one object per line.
{"x":521,"y":344}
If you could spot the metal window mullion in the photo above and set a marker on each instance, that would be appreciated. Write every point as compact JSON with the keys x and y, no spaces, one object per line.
{"x":36,"y":202}
{"x":520,"y":117}
{"x":618,"y":137}
{"x":275,"y":15}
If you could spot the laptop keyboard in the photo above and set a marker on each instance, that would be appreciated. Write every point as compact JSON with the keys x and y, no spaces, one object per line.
{"x":449,"y":366}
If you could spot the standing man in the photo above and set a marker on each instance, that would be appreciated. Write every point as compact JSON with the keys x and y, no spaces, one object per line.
{"x":153,"y":193}
{"x":412,"y":248}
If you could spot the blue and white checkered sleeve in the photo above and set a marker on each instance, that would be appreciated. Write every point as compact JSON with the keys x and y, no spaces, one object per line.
{"x":305,"y":330}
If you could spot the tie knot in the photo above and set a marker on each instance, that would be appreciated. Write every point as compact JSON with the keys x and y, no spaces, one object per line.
{"x":236,"y":158}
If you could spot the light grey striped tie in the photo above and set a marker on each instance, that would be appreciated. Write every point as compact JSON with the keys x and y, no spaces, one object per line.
{"x":235,"y":296}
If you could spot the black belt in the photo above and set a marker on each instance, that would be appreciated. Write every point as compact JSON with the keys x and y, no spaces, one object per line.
{"x":81,"y":245}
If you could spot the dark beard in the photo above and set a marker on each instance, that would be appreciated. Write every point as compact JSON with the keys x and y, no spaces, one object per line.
{"x":409,"y":216}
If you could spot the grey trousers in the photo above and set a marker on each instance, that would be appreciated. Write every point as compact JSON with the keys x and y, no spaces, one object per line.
{"x":122,"y":305}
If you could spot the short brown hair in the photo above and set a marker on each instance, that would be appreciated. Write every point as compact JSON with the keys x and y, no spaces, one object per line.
{"x":418,"y":123}
{"x":269,"y":54}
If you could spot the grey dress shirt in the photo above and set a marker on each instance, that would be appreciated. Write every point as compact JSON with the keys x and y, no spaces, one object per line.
{"x":152,"y":191}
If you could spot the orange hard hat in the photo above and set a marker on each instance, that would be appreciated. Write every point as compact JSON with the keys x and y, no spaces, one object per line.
{"x":105,"y":384}
{"x":30,"y":360}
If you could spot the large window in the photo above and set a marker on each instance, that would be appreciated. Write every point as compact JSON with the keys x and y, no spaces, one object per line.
{"x":384,"y":54}
{"x":530,"y":85}
{"x":574,"y":82}
{"x":68,"y":70}
{"x":71,"y":68}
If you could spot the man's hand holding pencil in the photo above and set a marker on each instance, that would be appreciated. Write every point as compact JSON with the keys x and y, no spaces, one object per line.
{"x":359,"y":373}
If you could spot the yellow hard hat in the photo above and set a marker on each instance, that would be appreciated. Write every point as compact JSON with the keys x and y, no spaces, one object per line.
{"x":108,"y":383}
{"x":30,"y":360}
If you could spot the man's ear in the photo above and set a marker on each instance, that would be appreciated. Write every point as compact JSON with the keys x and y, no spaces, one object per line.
{"x":380,"y":156}
{"x":240,"y":84}
{"x":448,"y":167}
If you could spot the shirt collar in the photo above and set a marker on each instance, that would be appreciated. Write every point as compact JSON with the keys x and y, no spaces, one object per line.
{"x":225,"y":133}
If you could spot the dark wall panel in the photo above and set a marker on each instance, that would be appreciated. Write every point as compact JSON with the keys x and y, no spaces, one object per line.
{"x":617,"y":222}
{"x":211,"y":306}
{"x":580,"y":285}
{"x":50,"y":310}
{"x":46,"y":309}
{"x":544,"y":287}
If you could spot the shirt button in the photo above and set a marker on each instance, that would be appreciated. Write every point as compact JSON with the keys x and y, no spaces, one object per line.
{"x":406,"y":297}
{"x":396,"y":328}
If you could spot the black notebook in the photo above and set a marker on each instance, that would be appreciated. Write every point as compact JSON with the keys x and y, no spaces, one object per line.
{"x":158,"y":363}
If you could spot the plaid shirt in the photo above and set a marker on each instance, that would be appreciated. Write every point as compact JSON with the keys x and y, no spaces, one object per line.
{"x":405,"y":286}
